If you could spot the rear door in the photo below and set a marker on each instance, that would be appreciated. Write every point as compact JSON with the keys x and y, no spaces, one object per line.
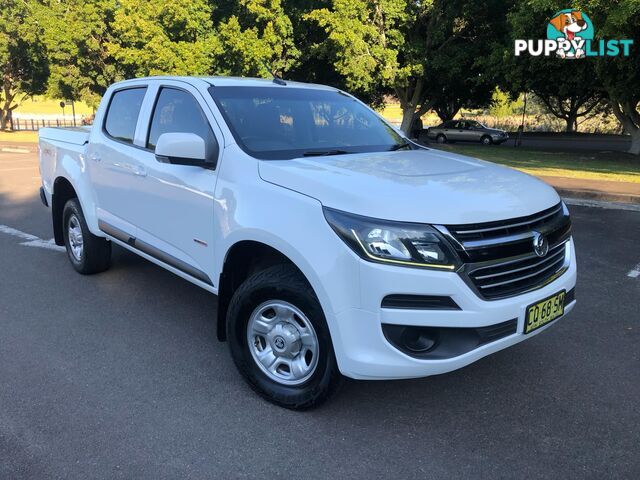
{"x":111,"y":159}
{"x":173,"y":205}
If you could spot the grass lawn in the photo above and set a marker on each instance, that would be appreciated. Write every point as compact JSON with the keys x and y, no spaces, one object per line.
{"x":40,"y":105}
{"x":613,"y":166}
{"x":22,"y":136}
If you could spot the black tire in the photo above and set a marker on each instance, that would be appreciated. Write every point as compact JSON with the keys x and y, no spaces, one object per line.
{"x":486,"y":140}
{"x":282,"y":283}
{"x":441,"y":138}
{"x":95,"y":256}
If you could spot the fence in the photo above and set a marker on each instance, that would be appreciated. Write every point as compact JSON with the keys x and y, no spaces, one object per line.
{"x":33,"y":124}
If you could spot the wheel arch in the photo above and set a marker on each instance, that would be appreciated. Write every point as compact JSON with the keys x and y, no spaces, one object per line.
{"x":63,"y":191}
{"x":242,"y":259}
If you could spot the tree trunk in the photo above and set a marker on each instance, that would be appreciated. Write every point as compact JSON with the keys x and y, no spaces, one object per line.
{"x":572,"y":122}
{"x":630,"y":120}
{"x":408,"y":117}
{"x":446,"y":113}
{"x":4,"y":120}
{"x":635,"y":142}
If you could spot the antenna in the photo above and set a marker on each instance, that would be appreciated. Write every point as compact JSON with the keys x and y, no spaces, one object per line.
{"x":277,"y":80}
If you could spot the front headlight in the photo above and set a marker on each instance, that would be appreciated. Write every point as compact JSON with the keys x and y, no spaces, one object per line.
{"x":409,"y":244}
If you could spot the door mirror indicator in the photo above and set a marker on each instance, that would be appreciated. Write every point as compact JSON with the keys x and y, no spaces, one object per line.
{"x":182,"y":149}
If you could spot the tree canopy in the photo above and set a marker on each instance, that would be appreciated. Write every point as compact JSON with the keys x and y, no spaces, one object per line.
{"x":440,"y":55}
{"x":24,"y":62}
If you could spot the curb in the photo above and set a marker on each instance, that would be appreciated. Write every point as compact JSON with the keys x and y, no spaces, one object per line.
{"x":579,"y":202}
{"x":599,"y":196}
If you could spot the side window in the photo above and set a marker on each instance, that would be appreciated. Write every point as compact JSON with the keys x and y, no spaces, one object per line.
{"x":123,"y":112}
{"x":176,"y":111}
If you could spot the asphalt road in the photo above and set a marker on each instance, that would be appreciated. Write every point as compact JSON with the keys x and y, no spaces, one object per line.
{"x":119,"y":375}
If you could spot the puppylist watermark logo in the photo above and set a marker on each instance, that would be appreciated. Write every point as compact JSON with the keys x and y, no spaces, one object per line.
{"x":570,"y":34}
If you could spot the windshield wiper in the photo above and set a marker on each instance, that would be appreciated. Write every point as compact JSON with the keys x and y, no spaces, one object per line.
{"x":324,"y":153}
{"x":400,"y":146}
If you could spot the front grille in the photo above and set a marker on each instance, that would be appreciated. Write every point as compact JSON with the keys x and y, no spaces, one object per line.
{"x":513,"y":277}
{"x":499,"y":260}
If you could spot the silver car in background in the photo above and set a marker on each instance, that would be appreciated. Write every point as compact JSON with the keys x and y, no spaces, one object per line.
{"x":466,"y":131}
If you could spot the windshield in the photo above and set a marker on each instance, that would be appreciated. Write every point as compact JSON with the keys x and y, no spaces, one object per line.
{"x":288,"y":122}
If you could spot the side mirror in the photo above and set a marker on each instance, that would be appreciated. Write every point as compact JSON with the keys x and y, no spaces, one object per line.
{"x":181,"y":149}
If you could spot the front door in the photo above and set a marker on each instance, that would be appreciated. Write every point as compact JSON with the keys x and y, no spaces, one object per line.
{"x":173,"y":205}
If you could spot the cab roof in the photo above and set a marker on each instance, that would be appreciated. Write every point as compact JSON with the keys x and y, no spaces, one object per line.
{"x":232,"y":82}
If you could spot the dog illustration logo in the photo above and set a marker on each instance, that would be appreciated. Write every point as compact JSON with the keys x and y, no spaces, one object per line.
{"x":571,"y":29}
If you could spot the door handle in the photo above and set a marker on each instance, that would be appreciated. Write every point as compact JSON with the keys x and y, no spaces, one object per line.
{"x":95,"y":157}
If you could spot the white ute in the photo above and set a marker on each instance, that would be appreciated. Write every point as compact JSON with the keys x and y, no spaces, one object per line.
{"x":336,"y":246}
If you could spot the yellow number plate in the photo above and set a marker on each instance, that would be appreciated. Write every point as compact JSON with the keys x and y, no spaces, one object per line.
{"x":541,"y":313}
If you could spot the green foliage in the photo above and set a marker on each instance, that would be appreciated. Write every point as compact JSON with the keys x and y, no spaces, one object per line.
{"x":570,"y":90}
{"x":156,"y":37}
{"x":430,"y":54}
{"x":364,"y":40}
{"x":502,"y":105}
{"x":76,"y":33}
{"x":620,"y":76}
{"x":257,"y":39}
{"x":23,"y":60}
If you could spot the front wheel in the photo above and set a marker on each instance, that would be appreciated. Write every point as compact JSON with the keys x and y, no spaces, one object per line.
{"x":280,"y":341}
{"x":441,"y":138}
{"x":486,"y":140}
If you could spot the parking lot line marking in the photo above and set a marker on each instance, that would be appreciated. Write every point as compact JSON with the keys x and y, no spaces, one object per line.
{"x":31,"y":240}
{"x":47,"y":244}
{"x":17,"y":233}
{"x":634,"y":272}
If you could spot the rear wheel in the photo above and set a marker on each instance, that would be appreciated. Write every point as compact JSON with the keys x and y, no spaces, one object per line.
{"x":486,"y":140}
{"x":441,"y":138}
{"x":280,"y":341}
{"x":88,"y":253}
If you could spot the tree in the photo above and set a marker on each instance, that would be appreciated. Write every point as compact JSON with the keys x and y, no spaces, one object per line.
{"x":23,"y":58}
{"x":569,"y":89}
{"x":620,"y":75}
{"x":458,"y":78}
{"x":391,"y":45}
{"x":155,"y":37}
{"x":77,"y":33}
{"x":257,"y":38}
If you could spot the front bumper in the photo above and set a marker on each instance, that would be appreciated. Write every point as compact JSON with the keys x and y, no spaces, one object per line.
{"x":363,"y":351}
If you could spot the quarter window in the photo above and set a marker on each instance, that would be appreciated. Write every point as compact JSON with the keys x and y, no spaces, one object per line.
{"x":123,"y":112}
{"x":176,"y":111}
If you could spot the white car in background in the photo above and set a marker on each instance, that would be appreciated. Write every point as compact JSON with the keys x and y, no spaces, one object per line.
{"x":336,"y":246}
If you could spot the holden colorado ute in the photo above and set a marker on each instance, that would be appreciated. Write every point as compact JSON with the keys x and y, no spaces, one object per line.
{"x":336,"y":246}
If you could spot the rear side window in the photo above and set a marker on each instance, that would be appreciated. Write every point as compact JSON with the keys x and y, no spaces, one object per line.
{"x":176,"y":111}
{"x":123,"y":112}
